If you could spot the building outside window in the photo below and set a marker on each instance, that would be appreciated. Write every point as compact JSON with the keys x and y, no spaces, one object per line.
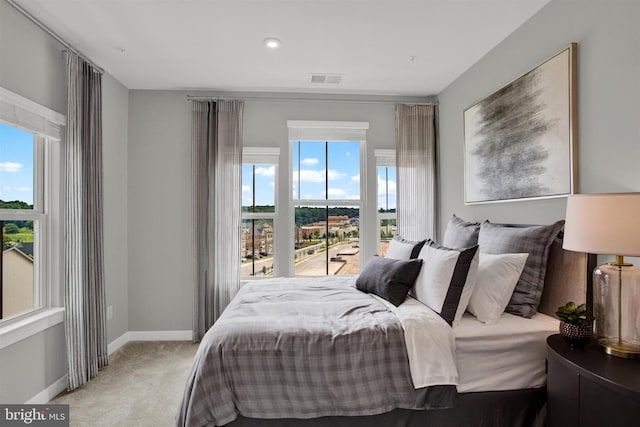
{"x":327,"y":206}
{"x":386,"y":185}
{"x":259,"y":212}
{"x":29,"y":203}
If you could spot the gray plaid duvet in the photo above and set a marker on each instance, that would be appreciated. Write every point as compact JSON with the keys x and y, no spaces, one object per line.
{"x":283,"y":349}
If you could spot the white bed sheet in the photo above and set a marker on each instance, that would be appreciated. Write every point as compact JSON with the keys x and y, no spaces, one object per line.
{"x":430,"y":343}
{"x":508,"y":355}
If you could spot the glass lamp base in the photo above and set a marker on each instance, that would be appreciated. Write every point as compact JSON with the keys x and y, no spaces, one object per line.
{"x":618,"y":348}
{"x":616,"y":298}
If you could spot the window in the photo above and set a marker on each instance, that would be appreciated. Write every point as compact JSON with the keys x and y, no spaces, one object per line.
{"x":327,"y":190}
{"x":29,"y":188}
{"x":259,"y":210}
{"x":326,"y":194}
{"x":386,"y":183}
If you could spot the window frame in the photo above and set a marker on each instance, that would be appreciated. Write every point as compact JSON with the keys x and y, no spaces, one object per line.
{"x":328,"y":131}
{"x":385,"y":158}
{"x":264,"y":156}
{"x":48,"y":129}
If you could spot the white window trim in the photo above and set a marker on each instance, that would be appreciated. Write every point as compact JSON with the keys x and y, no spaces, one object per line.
{"x":384,"y":158}
{"x":265,"y":156}
{"x":48,"y":126}
{"x":313,"y":130}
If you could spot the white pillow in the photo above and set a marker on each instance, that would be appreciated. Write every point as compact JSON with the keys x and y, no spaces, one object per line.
{"x":400,"y":248}
{"x":446,"y":281}
{"x":497,"y":278}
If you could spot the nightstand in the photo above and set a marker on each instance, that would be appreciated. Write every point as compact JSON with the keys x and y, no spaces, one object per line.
{"x":587,"y":387}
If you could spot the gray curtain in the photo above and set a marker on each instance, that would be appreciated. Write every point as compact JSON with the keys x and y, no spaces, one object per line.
{"x":416,"y":138}
{"x":85,"y":320}
{"x":216,"y":140}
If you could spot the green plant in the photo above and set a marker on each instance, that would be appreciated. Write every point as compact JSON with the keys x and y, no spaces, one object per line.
{"x":574,"y":314}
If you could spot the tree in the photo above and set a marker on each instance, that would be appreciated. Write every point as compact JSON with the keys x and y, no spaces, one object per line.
{"x":304,"y":236}
{"x":11,"y":228}
{"x":316,"y":234}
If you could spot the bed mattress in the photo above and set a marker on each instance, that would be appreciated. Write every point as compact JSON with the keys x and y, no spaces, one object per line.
{"x":508,"y":355}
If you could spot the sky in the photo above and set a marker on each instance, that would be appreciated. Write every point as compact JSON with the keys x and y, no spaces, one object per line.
{"x":16,"y":164}
{"x":310,"y":169}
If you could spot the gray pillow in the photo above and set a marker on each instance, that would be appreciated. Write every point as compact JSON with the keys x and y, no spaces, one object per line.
{"x":461,"y":234}
{"x":534,"y":240}
{"x":389,"y":278}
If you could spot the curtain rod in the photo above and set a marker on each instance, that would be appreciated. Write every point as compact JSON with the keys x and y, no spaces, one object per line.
{"x":59,"y":39}
{"x":320,"y":100}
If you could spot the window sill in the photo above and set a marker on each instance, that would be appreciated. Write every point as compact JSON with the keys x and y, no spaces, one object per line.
{"x":30,"y":325}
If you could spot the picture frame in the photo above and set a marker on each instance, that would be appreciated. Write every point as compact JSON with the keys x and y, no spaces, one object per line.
{"x":520,"y":142}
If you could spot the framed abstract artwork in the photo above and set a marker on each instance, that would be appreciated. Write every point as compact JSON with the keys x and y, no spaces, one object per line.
{"x":520,"y":142}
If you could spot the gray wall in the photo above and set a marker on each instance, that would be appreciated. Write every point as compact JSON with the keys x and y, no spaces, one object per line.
{"x":608,"y":37}
{"x":115,"y":119}
{"x":159,"y":208}
{"x":32,"y":66}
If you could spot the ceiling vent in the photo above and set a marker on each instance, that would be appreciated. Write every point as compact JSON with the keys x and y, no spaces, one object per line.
{"x":326,"y":78}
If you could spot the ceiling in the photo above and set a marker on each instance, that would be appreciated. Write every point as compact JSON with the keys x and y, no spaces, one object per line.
{"x":379,"y":47}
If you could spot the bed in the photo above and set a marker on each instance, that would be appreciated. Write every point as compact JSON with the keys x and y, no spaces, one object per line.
{"x":346,"y":386}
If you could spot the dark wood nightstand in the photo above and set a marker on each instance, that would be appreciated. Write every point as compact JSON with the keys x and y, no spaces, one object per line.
{"x":587,"y":387}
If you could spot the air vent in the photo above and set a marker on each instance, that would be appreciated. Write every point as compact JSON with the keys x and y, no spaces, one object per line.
{"x":326,"y":78}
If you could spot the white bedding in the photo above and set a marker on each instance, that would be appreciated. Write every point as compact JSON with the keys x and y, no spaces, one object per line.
{"x":508,"y":355}
{"x":430,"y":343}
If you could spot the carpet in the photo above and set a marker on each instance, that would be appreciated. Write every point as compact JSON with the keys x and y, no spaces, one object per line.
{"x":142,"y":386}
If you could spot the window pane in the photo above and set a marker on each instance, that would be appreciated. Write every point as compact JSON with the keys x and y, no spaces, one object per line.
{"x":309,"y":169}
{"x":314,"y":233}
{"x":16,"y":168}
{"x":256,"y":248}
{"x":387,"y":232}
{"x":386,"y":189}
{"x":258,"y":188}
{"x":343,"y":171}
{"x":17,"y":282}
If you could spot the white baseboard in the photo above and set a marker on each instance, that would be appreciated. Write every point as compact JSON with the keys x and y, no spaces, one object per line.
{"x":117,"y":343}
{"x":148,"y":336}
{"x":49,"y":393}
{"x":160,"y":335}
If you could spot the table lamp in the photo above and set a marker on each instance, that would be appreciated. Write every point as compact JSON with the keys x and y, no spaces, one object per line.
{"x":609,"y":224}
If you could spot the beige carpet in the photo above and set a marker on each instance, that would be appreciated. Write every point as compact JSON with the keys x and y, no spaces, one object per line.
{"x":142,"y":386}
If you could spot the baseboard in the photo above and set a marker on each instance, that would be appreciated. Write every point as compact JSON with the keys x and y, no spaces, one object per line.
{"x":115,"y":345}
{"x":147,"y":336}
{"x":49,"y":393}
{"x":160,"y":335}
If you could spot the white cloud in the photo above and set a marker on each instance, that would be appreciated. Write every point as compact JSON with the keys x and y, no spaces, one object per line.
{"x":23,"y":189}
{"x":382,"y":187}
{"x":348,"y":153}
{"x":246,"y":188}
{"x":337,"y":193}
{"x":335,"y":175}
{"x":307,"y":175}
{"x":10,"y":167}
{"x":270,"y":171}
{"x":309,"y":161}
{"x":272,"y":184}
{"x":355,"y":178}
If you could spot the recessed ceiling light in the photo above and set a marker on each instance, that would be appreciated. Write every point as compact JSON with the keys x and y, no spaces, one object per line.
{"x":271,"y":42}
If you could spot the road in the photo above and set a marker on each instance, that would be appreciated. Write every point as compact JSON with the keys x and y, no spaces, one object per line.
{"x":314,"y":265}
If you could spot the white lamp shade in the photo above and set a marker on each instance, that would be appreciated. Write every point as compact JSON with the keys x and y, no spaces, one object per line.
{"x":607,"y":224}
